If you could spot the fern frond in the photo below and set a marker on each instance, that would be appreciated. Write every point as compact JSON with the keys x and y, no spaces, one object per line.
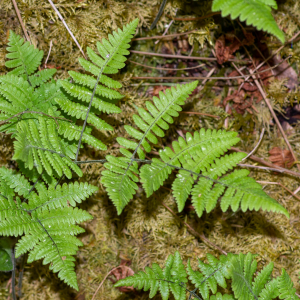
{"x":48,"y":221}
{"x":173,"y":277}
{"x":61,"y":196}
{"x":285,"y":287}
{"x":239,"y":268}
{"x":195,"y":153}
{"x":35,"y":148}
{"x":24,"y":58}
{"x":200,"y":156}
{"x":86,"y":88}
{"x":118,"y":178}
{"x":211,"y":274}
{"x":242,"y":271}
{"x":254,"y":12}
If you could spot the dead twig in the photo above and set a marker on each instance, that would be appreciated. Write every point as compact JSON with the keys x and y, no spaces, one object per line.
{"x":193,"y":18}
{"x":258,"y":143}
{"x":182,"y":56}
{"x":67,"y":27}
{"x":275,"y":118}
{"x":278,"y":183}
{"x":45,"y":65}
{"x":105,"y":279}
{"x":198,"y":113}
{"x":20,"y":20}
{"x":266,"y":163}
{"x":165,"y":69}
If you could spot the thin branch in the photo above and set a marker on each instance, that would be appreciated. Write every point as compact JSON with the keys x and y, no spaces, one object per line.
{"x":67,"y":27}
{"x":156,"y":37}
{"x":193,"y":18}
{"x":198,"y":113}
{"x":260,"y":167}
{"x":165,"y":69}
{"x":105,"y":279}
{"x":258,"y":143}
{"x":278,"y":183}
{"x":275,"y":118}
{"x":266,"y":163}
{"x":183,"y":57}
{"x":13,"y":275}
{"x":194,"y":232}
{"x":45,"y":65}
{"x":20,"y":20}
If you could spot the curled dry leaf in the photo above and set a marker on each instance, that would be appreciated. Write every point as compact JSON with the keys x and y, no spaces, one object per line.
{"x":223,"y":52}
{"x":281,"y":157}
{"x":121,"y":272}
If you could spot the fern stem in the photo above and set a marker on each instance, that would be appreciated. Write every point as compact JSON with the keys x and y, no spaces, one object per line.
{"x":13,"y":275}
{"x":160,"y":11}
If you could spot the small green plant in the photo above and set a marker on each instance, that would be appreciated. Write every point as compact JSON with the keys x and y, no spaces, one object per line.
{"x":239,"y":269}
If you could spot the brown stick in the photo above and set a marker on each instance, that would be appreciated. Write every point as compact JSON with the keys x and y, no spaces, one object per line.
{"x":198,"y":113}
{"x":275,"y":118}
{"x":192,"y":18}
{"x":266,"y":163}
{"x":278,"y":183}
{"x":166,"y":69}
{"x":182,"y":56}
{"x":20,"y":20}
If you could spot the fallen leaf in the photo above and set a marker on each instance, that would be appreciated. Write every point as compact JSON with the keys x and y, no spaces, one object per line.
{"x":281,"y":157}
{"x":121,"y":272}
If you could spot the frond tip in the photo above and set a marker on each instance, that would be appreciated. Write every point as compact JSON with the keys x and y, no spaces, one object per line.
{"x":254,"y":12}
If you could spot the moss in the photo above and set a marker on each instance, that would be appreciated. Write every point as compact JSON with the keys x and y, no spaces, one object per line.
{"x":146,"y":232}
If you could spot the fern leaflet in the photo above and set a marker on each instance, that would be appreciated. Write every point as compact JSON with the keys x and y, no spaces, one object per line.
{"x":254,"y":12}
{"x":41,"y":220}
{"x":119,"y":178}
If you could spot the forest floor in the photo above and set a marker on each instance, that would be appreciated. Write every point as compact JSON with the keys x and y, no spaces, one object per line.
{"x":188,"y":43}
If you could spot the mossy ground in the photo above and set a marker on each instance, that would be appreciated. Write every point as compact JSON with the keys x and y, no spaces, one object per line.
{"x":146,"y":232}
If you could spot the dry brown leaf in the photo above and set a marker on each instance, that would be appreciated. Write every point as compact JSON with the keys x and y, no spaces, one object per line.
{"x":121,"y":272}
{"x":281,"y":157}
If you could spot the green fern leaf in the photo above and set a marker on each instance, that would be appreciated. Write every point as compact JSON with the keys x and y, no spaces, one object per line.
{"x":270,"y":291}
{"x":286,"y":288}
{"x":219,"y":296}
{"x":119,"y":183}
{"x":41,"y":76}
{"x":242,"y":271}
{"x":24,"y":58}
{"x":173,"y":278}
{"x":34,"y":148}
{"x":254,"y":12}
{"x":195,"y":153}
{"x":48,"y":221}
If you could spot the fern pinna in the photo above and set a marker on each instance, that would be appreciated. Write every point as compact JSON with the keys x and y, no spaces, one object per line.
{"x":34,"y":107}
{"x":37,"y":214}
{"x":254,"y":12}
{"x":239,"y":268}
{"x":200,"y":159}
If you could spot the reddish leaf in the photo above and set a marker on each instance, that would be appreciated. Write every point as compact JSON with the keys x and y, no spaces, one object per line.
{"x":121,"y":272}
{"x":281,"y":157}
